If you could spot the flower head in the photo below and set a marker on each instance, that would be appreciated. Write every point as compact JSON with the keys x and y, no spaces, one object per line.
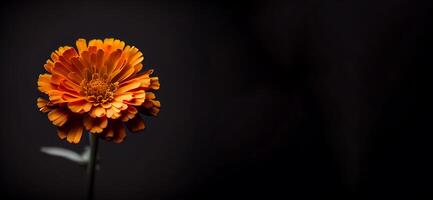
{"x":97,"y":87}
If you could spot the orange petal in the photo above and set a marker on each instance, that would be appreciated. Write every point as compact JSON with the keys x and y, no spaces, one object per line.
{"x":49,"y":65}
{"x":55,"y":97}
{"x":112,"y":60}
{"x":71,"y":131}
{"x":62,"y":133}
{"x":58,"y":116}
{"x":129,"y":113}
{"x":85,"y":59}
{"x":117,"y":44}
{"x":98,"y":112}
{"x":99,"y":60}
{"x":136,"y":59}
{"x":81,"y":106}
{"x":117,"y":104}
{"x":138,"y":98}
{"x":77,"y":64}
{"x":69,"y":97}
{"x":60,"y":69}
{"x":95,"y":125}
{"x":81,"y":45}
{"x":57,"y":78}
{"x":123,"y":97}
{"x":119,"y":131}
{"x":148,"y":104}
{"x":154,"y":83}
{"x":154,"y":111}
{"x":124,"y":74}
{"x":75,"y":77}
{"x":139,"y":94}
{"x":136,"y":124}
{"x":113,"y":113}
{"x":151,"y":103}
{"x":42,"y":105}
{"x":108,"y":41}
{"x":156,"y":103}
{"x":127,"y":87}
{"x":138,"y":67}
{"x":75,"y":132}
{"x":151,"y":106}
{"x":150,"y":95}
{"x":69,"y":86}
{"x":96,"y":43}
{"x":44,"y":83}
{"x":144,"y":79}
{"x":106,"y":105}
{"x":68,"y":54}
{"x":108,"y":132}
{"x":119,"y":66}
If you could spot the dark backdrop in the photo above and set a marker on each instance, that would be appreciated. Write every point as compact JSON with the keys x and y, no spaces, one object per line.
{"x":268,"y":99}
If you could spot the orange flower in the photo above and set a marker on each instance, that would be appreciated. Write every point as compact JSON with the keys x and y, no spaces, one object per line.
{"x":97,"y":87}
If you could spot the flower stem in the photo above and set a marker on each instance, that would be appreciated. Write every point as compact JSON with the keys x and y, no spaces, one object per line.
{"x":92,"y":164}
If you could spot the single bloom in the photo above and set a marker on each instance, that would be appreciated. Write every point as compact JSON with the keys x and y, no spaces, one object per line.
{"x":98,"y":87}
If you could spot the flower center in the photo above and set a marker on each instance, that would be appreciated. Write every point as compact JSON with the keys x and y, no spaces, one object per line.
{"x":99,"y":90}
{"x":97,"y":87}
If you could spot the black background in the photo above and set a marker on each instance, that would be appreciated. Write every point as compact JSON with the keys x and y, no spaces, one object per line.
{"x":270,"y":99}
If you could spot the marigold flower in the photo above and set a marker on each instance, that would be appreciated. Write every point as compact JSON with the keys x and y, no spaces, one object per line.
{"x":97,"y":87}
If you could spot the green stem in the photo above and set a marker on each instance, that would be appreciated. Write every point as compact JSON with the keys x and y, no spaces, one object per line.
{"x":92,"y":164}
